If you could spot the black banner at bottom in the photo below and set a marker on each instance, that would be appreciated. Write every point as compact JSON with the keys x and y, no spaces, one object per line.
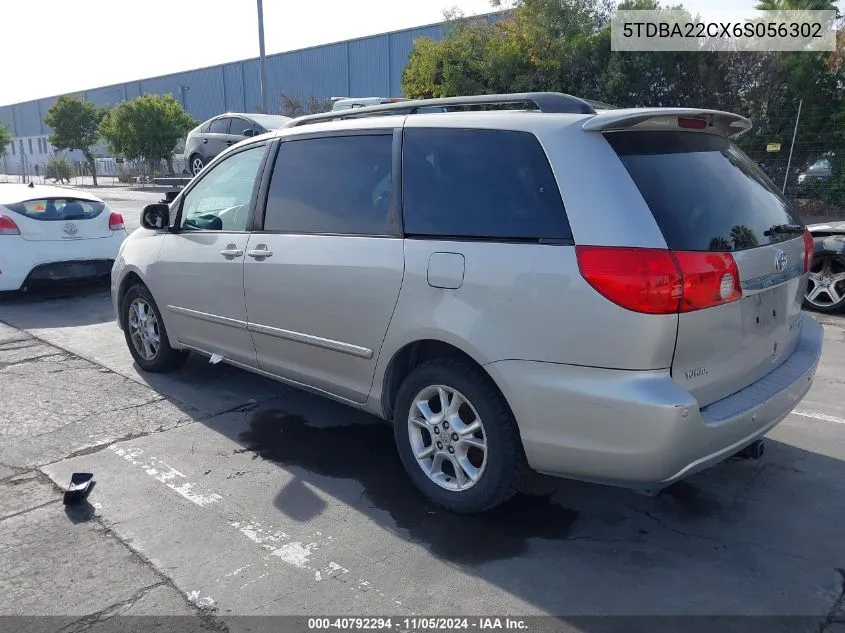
{"x":417,"y":624}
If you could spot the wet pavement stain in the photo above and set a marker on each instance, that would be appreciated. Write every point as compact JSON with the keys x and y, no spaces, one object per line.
{"x":366,"y":453}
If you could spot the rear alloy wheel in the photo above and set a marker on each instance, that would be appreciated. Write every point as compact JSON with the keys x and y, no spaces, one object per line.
{"x":145,"y":335}
{"x":826,"y":283}
{"x":457,"y":437}
{"x":196,"y":164}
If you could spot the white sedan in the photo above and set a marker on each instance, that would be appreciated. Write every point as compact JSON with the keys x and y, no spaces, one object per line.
{"x":53,"y":234}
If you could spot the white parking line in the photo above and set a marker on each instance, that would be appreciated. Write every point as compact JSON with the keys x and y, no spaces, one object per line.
{"x":277,"y":543}
{"x":166,"y":474}
{"x":819,"y":416}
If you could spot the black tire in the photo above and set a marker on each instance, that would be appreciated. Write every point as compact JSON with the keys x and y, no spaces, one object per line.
{"x":505,"y":464}
{"x":195,"y":158}
{"x":166,"y":358}
{"x":829,"y":263}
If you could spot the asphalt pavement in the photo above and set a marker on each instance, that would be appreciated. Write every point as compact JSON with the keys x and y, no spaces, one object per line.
{"x":220,"y":493}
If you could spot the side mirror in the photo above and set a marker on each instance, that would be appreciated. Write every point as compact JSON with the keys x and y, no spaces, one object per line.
{"x":248,"y":132}
{"x":155,"y":217}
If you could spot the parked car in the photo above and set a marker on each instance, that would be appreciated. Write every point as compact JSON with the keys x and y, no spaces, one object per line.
{"x":826,"y":283}
{"x":613,"y":296}
{"x":817,"y":172}
{"x":210,"y":138}
{"x":55,"y":234}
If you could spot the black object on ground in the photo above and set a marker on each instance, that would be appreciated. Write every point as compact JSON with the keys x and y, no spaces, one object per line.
{"x":80,"y":487}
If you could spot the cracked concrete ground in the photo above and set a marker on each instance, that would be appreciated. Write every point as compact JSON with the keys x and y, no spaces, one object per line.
{"x":220,"y":494}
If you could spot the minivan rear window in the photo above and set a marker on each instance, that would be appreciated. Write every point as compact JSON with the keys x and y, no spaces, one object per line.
{"x":59,"y":209}
{"x":704,"y":192}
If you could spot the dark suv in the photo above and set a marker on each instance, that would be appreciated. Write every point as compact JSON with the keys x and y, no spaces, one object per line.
{"x":207,"y":140}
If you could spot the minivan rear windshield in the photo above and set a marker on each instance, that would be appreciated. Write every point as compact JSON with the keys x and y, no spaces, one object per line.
{"x":58,"y":209}
{"x":704,"y":192}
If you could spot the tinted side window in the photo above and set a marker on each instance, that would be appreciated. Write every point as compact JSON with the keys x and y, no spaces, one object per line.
{"x":331,"y":185}
{"x":704,"y":193}
{"x":480,"y":183}
{"x":237,"y":126}
{"x":220,"y":126}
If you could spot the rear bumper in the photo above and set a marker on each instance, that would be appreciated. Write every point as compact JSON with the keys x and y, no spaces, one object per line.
{"x":55,"y":261}
{"x":640,"y":428}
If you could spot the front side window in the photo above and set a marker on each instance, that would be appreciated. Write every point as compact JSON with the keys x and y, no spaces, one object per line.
{"x":237,"y":126}
{"x":488,"y":184}
{"x":221,"y":200}
{"x":339,"y":185}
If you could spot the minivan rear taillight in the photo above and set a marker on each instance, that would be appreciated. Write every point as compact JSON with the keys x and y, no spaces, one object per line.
{"x":809,"y":249}
{"x":116,"y":222}
{"x":8,"y":226}
{"x":659,"y":281}
{"x":710,"y":279}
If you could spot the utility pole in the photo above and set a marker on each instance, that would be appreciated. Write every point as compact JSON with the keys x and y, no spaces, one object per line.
{"x":791,"y":147}
{"x":261,"y":61}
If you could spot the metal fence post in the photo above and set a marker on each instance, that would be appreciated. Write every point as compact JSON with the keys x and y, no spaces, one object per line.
{"x":792,"y":147}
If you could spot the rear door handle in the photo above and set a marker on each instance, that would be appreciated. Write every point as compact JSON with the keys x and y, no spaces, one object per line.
{"x":205,"y":140}
{"x":230,"y":252}
{"x":260,"y":253}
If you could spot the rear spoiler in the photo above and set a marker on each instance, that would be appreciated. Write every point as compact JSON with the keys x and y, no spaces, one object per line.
{"x":727,"y":123}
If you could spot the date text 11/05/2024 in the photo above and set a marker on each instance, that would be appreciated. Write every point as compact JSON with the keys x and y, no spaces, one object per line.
{"x":414,"y":624}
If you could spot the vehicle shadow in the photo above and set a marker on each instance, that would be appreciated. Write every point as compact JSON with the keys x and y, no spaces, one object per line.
{"x":65,"y":305}
{"x":733,"y":539}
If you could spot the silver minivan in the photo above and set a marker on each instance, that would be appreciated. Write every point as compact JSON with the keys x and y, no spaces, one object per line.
{"x":613,"y":295}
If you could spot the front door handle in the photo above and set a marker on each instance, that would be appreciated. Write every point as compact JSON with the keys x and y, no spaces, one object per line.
{"x":261,"y":252}
{"x":231,"y":252}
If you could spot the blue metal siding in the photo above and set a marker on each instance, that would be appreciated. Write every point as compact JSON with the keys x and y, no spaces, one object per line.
{"x":252,"y":85}
{"x":108,"y":96}
{"x":234,"y":85}
{"x":369,"y":68}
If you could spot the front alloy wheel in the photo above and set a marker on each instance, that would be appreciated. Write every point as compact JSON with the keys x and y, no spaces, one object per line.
{"x":143,"y":329}
{"x":145,"y":334}
{"x":447,"y":438}
{"x":826,"y":283}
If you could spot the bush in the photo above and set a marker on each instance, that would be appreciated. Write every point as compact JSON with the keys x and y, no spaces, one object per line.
{"x":125,"y":176}
{"x":57,"y":169}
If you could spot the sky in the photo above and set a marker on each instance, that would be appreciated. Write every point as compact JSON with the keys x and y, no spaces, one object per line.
{"x":53,"y":47}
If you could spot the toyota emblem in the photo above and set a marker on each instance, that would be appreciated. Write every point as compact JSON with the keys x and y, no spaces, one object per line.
{"x":780,"y":260}
{"x":70,"y":228}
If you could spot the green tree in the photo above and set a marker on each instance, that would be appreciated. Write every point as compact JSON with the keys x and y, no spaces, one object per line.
{"x":5,"y":139}
{"x":147,"y":127}
{"x":75,"y":124}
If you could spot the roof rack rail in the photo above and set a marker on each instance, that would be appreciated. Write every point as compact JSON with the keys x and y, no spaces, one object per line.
{"x":555,"y":102}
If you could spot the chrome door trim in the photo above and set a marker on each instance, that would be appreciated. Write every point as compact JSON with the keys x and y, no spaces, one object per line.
{"x":211,"y":318}
{"x":308,"y":339}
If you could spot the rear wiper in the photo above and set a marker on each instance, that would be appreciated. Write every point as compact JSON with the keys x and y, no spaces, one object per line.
{"x":784,"y":228}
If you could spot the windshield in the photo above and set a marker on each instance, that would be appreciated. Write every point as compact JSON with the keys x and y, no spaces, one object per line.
{"x":58,"y":209}
{"x":270,"y":121}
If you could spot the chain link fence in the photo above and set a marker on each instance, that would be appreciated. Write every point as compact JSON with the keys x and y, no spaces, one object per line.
{"x":810,"y":178}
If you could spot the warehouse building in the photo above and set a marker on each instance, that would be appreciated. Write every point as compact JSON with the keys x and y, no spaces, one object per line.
{"x":367,"y":66}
